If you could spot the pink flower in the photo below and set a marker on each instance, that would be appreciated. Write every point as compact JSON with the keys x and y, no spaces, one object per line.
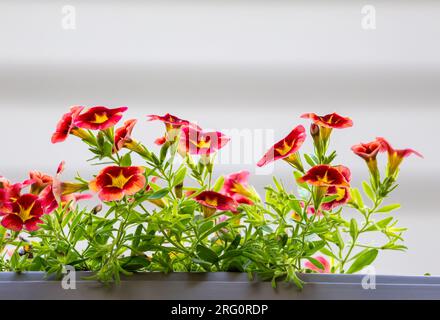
{"x":325,"y":263}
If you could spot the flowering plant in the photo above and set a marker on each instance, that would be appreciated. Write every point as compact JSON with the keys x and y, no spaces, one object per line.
{"x":166,"y":215}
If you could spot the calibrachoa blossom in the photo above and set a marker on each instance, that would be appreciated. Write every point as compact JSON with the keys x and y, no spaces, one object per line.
{"x":39,"y":181}
{"x":395,"y":157}
{"x":99,"y":118}
{"x":236,"y":186}
{"x":26,"y":212}
{"x":333,"y":121}
{"x":173,"y":125}
{"x":172,"y":122}
{"x":369,"y":152}
{"x":325,"y":263}
{"x":324,"y":176}
{"x":123,"y":135}
{"x":323,"y":126}
{"x":113,"y":183}
{"x":212,"y":201}
{"x":197,"y":142}
{"x":343,"y":193}
{"x":286,"y":149}
{"x":66,"y":125}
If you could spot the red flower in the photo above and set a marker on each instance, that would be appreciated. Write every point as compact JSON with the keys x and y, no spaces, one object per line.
{"x":286,"y":148}
{"x":202,"y":143}
{"x":214,"y":201}
{"x":66,"y":124}
{"x":333,"y":121}
{"x":395,"y":157}
{"x":160,"y":141}
{"x":173,"y":122}
{"x":325,"y":263}
{"x":99,"y":118}
{"x":113,"y":183}
{"x":368,"y":151}
{"x":40,"y":181}
{"x":123,"y":134}
{"x":324,"y":176}
{"x":26,"y":212}
{"x":236,"y":187}
{"x":342,"y":192}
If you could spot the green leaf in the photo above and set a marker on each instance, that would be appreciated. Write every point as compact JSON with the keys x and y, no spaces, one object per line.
{"x":309,"y":160}
{"x":353,"y":229}
{"x":388,"y":208}
{"x":295,"y":206}
{"x":216,"y":228}
{"x":368,"y":191}
{"x":180,"y":176}
{"x":219,"y":184}
{"x":357,"y":197}
{"x":207,"y":254}
{"x":316,"y":263}
{"x":363,"y":260}
{"x":330,"y":198}
{"x":158,"y":194}
{"x":126,"y":160}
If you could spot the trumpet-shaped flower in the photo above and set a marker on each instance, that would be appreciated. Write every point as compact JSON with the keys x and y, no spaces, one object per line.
{"x":212,"y":201}
{"x":395,"y":157}
{"x":343,"y":193}
{"x":236,"y":186}
{"x":173,"y":122}
{"x":26,"y":213}
{"x":113,"y":183}
{"x":99,"y":118}
{"x":194,"y":141}
{"x":324,"y":176}
{"x":123,"y":135}
{"x":286,"y":149}
{"x":333,"y":121}
{"x":66,"y":125}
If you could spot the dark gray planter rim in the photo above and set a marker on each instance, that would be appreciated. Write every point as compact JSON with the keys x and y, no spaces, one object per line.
{"x":218,"y":286}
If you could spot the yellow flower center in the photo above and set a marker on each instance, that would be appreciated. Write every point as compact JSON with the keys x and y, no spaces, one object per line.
{"x":25,"y":213}
{"x":325,"y":179}
{"x":341,"y":193}
{"x":212,"y":202}
{"x":285,"y":148}
{"x":203,"y":144}
{"x":100,"y":118}
{"x":240,"y":189}
{"x":120,"y":181}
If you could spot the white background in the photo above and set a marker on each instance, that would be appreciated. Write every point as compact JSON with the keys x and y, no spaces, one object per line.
{"x":233,"y":64}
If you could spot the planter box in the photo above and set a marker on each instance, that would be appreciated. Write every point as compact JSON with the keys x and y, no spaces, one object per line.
{"x":218,"y":286}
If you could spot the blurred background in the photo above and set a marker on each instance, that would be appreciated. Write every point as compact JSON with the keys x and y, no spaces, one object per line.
{"x":255,"y":65}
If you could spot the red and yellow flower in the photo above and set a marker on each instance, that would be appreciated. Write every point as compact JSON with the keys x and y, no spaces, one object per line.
{"x":39,"y":181}
{"x":343,"y":193}
{"x":324,"y":176}
{"x":331,"y":121}
{"x":287,"y":149}
{"x":113,"y":183}
{"x":323,"y":126}
{"x":236,"y":186}
{"x":369,"y":152}
{"x":395,"y":157}
{"x":123,"y":135}
{"x":26,"y":212}
{"x":173,"y":125}
{"x":325,"y":263}
{"x":99,"y":118}
{"x":212,"y":201}
{"x":66,"y":125}
{"x":197,"y":142}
